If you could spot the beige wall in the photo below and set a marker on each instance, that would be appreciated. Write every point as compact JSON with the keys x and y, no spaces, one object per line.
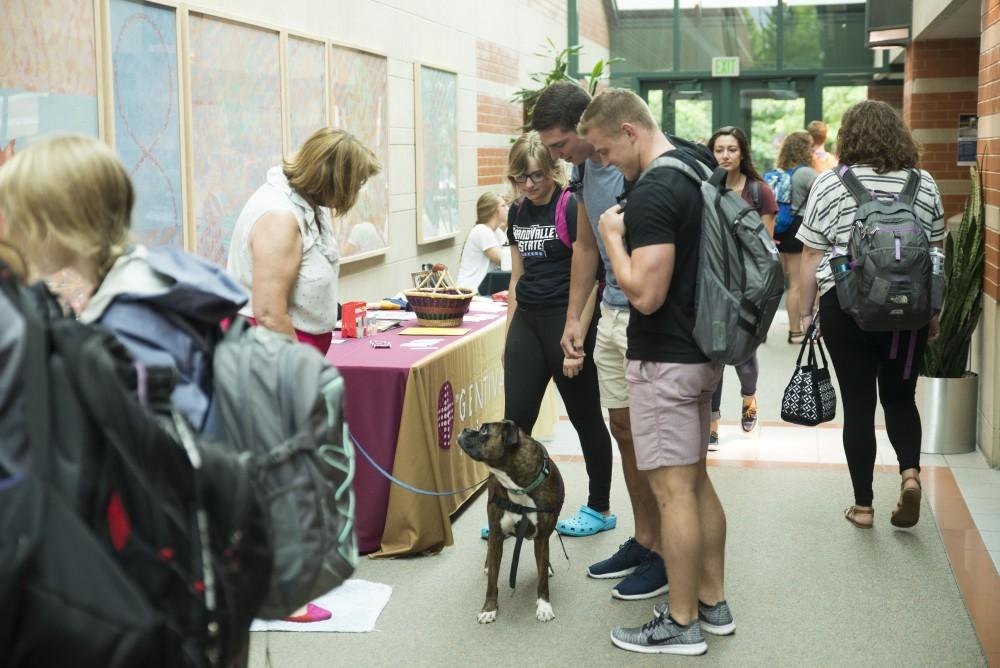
{"x":466,"y":36}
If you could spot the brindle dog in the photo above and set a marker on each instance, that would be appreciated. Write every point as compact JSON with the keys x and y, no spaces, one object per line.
{"x":525,"y":483}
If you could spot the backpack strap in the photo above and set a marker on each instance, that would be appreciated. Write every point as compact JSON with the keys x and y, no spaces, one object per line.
{"x":755,"y":193}
{"x":684,"y":168}
{"x":853,"y":185}
{"x":912,"y":187}
{"x":562,"y":229}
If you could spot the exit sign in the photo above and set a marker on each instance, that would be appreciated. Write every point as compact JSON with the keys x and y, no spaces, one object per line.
{"x":726,"y":66}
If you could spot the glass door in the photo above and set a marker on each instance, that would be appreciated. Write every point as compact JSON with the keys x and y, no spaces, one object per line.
{"x":768,"y":112}
{"x":684,"y":109}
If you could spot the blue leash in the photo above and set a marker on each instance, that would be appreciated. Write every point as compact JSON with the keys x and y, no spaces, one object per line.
{"x":409,"y":488}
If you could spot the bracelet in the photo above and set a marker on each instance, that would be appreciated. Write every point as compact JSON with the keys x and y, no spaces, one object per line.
{"x":805,"y":315}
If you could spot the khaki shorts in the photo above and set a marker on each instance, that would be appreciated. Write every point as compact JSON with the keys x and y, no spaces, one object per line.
{"x":609,"y":357}
{"x":670,"y":407}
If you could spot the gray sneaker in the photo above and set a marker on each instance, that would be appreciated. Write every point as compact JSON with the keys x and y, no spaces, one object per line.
{"x":662,"y":635}
{"x":715,"y":619}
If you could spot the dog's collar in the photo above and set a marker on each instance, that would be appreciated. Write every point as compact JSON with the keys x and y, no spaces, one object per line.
{"x":543,"y":473}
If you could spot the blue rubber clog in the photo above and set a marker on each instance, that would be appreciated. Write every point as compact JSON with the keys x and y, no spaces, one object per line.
{"x":586,"y":522}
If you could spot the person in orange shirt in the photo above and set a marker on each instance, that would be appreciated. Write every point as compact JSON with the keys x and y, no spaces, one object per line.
{"x":822,"y":160}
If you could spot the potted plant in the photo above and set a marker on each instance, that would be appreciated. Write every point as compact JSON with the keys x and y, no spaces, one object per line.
{"x":947,"y":391}
{"x":559,"y":72}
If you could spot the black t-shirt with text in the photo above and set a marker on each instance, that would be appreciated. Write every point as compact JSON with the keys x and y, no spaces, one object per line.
{"x":665,"y":208}
{"x":546,"y":259}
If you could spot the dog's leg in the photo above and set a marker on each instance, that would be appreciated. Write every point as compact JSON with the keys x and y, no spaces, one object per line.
{"x":543,"y":608}
{"x":494,"y":553}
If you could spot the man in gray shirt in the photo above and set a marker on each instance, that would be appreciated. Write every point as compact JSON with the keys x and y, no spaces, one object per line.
{"x":555,"y":116}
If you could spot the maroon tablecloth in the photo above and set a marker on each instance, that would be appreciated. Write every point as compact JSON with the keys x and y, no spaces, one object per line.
{"x":375,"y":381}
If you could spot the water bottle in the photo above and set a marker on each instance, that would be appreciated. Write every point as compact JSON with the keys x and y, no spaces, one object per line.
{"x":937,"y":278}
{"x":840,"y":265}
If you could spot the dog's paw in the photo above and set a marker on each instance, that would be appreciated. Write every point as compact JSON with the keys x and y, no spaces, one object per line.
{"x":487,"y":617}
{"x":543,"y":611}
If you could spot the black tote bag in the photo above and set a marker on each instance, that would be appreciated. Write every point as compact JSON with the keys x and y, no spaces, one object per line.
{"x":809,"y":398}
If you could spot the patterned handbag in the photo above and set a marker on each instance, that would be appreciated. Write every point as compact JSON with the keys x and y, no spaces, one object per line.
{"x":809,"y":398}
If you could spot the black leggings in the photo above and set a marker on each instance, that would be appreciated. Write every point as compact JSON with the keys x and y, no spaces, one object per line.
{"x":862,"y":361}
{"x":533,"y":357}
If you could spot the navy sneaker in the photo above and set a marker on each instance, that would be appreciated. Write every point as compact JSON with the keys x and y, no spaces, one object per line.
{"x":663,"y":635}
{"x":715,"y":619}
{"x":623,"y":562}
{"x":648,"y":580}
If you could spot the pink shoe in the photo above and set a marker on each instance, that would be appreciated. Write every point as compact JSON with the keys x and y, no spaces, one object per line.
{"x":313,"y":613}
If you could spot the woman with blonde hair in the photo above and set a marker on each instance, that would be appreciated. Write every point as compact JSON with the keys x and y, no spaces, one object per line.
{"x":482,"y":247}
{"x":283,"y":249}
{"x":67,"y":204}
{"x":541,"y":227}
{"x":795,"y":157}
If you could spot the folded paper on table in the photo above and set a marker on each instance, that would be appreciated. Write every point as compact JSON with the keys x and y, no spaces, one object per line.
{"x":434,"y":331}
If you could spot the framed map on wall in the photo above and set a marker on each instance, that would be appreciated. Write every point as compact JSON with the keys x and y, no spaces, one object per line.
{"x":436,"y":122}
{"x":48,"y":86}
{"x":235,"y":77}
{"x":306,"y":67}
{"x":359,"y":104}
{"x":147,"y":116}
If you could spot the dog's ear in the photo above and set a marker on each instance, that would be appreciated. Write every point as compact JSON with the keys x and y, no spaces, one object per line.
{"x":510,"y":433}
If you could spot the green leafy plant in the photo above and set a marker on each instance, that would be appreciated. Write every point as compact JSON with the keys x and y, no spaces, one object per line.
{"x":559,"y":72}
{"x":947,"y":357}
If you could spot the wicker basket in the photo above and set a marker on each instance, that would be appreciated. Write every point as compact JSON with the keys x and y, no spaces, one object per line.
{"x":442,"y":304}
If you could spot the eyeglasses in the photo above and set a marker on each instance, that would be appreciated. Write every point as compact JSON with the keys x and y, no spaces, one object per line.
{"x":534,"y":177}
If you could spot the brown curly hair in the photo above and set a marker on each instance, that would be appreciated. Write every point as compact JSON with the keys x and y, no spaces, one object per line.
{"x":796,"y":149}
{"x":872,"y":133}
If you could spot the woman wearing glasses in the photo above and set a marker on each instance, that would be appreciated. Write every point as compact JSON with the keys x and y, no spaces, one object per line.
{"x":541,"y":252}
{"x":732,"y":152}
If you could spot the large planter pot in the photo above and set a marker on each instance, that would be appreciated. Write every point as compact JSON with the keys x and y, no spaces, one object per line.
{"x":948,"y":408}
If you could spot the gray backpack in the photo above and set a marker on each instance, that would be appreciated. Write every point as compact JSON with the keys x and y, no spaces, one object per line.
{"x":282,"y":404}
{"x":740,"y":281}
{"x":885,"y":284}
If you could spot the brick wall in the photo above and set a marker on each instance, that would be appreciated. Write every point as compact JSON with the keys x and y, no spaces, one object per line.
{"x":891,"y":95}
{"x":987,"y":345}
{"x":497,"y":115}
{"x":497,"y":118}
{"x":989,"y":138}
{"x":492,"y":163}
{"x":594,"y":21}
{"x":495,"y":63}
{"x":940,"y":83}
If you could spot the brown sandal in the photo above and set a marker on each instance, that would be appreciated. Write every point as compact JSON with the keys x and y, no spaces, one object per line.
{"x":851,"y":512}
{"x":907,"y":512}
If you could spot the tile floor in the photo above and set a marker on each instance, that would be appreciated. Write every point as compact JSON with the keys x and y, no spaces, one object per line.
{"x":978,"y":484}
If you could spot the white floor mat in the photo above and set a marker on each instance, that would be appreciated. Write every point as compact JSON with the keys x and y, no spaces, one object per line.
{"x":356,"y":606}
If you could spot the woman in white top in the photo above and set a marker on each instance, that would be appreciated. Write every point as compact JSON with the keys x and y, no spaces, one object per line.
{"x":881,"y":153}
{"x":283,"y":249}
{"x":482,"y":248}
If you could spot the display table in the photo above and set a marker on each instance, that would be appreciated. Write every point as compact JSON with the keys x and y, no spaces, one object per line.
{"x":406,"y":407}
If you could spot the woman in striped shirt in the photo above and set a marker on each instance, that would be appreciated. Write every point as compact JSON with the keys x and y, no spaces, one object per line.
{"x":881,"y":152}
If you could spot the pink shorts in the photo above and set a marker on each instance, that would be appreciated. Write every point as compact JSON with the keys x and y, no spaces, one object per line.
{"x":670,"y":410}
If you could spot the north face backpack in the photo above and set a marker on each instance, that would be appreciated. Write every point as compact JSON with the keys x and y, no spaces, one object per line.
{"x":740,"y":281}
{"x":780,"y":181}
{"x":175,"y":514}
{"x":886,"y":285}
{"x":282,"y":404}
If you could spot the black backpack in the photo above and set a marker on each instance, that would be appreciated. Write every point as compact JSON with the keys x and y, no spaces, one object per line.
{"x":173,"y":512}
{"x":886,"y":285}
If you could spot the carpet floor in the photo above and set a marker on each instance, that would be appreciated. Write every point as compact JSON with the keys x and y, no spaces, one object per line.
{"x":805,"y":587}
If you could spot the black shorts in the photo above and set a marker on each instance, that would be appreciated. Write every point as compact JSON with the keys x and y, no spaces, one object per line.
{"x":787,"y":243}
